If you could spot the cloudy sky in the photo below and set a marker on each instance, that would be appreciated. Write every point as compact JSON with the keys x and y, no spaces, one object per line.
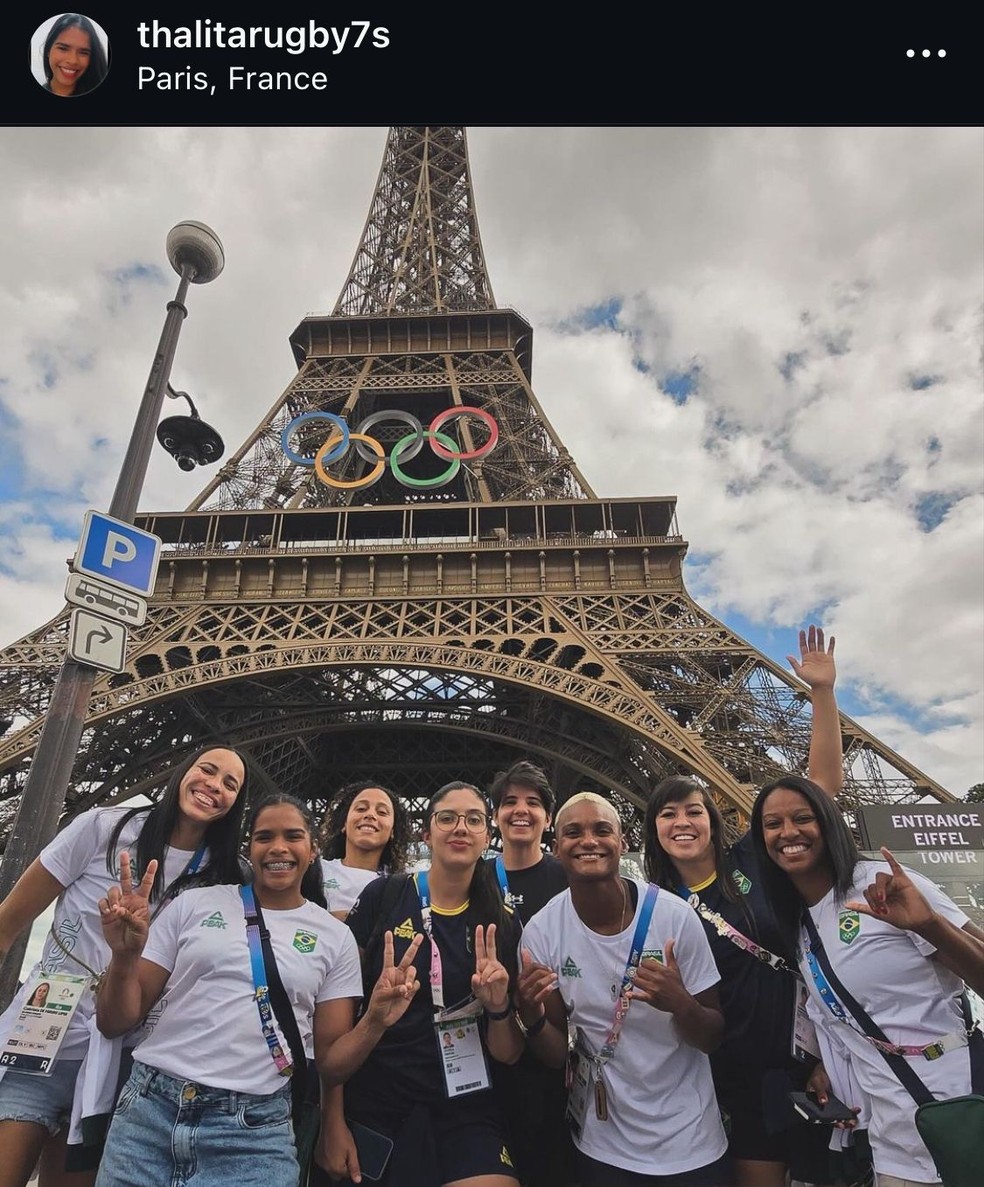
{"x":781,"y":326}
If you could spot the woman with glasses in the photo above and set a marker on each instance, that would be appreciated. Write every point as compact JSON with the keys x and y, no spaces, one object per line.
{"x":425,"y":1082}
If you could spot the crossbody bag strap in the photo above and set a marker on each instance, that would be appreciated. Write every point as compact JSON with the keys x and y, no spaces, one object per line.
{"x":279,"y":1001}
{"x":395,"y":885}
{"x":729,"y":932}
{"x":898,"y":1063}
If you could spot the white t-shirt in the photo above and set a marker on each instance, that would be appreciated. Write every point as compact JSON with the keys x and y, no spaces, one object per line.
{"x":77,"y":858}
{"x":914,"y":1000}
{"x":344,"y":884}
{"x":662,"y":1113}
{"x":210,"y":1031}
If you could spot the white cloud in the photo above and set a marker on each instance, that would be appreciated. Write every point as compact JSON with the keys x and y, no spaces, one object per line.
{"x":809,"y":276}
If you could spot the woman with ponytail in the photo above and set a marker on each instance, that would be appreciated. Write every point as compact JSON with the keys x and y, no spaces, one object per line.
{"x":258,"y":980}
{"x":425,"y":1085}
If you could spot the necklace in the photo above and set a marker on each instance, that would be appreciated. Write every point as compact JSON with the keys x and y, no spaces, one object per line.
{"x":621,"y":918}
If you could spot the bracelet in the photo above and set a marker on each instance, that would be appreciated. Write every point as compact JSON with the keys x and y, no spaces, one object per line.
{"x":498,"y":1015}
{"x":534,"y":1030}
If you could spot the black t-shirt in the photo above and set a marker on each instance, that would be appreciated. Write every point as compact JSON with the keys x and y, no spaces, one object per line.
{"x":405,"y":1067}
{"x":757,"y":1000}
{"x":531,"y":889}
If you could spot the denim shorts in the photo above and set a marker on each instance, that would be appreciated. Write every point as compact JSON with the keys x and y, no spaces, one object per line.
{"x":44,"y":1100}
{"x":171,"y":1133}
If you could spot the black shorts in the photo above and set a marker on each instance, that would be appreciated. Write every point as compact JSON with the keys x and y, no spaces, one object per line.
{"x":762,"y":1125}
{"x":459,"y":1139}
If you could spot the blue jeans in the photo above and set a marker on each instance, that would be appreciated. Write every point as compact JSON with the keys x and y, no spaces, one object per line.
{"x":172,"y":1133}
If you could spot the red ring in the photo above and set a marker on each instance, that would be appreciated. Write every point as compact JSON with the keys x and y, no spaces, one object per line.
{"x":482,"y":451}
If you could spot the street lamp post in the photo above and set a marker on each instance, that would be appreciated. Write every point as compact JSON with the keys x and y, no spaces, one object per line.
{"x":196,"y":254}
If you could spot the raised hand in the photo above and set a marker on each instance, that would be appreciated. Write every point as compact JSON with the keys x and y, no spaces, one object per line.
{"x":534,"y":985}
{"x":895,"y":898}
{"x":393,"y":992}
{"x":125,"y":912}
{"x":815,"y":665}
{"x":661,"y":984}
{"x":490,"y":983}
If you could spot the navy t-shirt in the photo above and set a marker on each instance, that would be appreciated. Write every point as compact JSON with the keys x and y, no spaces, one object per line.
{"x":531,"y":889}
{"x":757,"y":1000}
{"x":405,"y":1066}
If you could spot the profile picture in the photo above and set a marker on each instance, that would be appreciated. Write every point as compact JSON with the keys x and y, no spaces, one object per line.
{"x":40,"y":995}
{"x":447,"y":1040}
{"x":69,"y":55}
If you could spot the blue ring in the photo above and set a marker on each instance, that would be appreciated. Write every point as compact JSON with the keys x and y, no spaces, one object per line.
{"x":332,"y":455}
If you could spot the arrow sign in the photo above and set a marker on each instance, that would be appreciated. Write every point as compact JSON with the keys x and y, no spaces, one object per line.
{"x":98,"y":642}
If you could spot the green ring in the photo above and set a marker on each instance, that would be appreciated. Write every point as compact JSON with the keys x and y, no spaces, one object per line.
{"x":441,"y":479}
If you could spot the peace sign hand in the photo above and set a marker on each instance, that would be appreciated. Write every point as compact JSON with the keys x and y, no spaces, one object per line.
{"x":815,"y":666}
{"x":490,"y":984}
{"x":125,"y":912}
{"x":894,"y":898}
{"x":661,"y":984}
{"x":393,"y":992}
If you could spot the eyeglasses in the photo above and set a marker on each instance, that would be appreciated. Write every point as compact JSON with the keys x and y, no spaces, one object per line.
{"x":446,"y":820}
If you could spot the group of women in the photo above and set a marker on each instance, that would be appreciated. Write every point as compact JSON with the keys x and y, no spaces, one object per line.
{"x":681,"y":1006}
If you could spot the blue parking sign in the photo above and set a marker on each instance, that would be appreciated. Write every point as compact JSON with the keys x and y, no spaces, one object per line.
{"x":118,"y":552}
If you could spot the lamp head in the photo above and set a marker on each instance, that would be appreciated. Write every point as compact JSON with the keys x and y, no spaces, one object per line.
{"x":190,"y":441}
{"x":194,"y":245}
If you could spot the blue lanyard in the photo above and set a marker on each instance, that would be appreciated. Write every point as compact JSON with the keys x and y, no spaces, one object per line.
{"x":268,"y":1020}
{"x":500,"y":873}
{"x":635,"y":958}
{"x":827,"y":995}
{"x":196,"y":860}
{"x":191,"y":868}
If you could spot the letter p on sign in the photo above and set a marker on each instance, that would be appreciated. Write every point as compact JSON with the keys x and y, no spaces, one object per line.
{"x":118,"y":548}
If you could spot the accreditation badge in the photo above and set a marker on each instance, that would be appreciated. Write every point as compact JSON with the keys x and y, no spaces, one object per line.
{"x":585,"y":1087}
{"x":42,"y":1024}
{"x":462,"y":1054}
{"x":803,"y":1042}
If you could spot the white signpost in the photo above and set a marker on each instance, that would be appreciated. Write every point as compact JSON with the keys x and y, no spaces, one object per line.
{"x":114,"y":569}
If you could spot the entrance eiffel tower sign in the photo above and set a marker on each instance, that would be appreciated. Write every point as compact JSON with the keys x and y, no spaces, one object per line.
{"x":402,"y":575}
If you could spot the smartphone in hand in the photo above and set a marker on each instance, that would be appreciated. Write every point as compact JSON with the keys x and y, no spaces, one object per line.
{"x":807,"y":1105}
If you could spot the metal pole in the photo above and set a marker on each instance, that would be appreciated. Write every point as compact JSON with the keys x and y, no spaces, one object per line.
{"x":43,"y":798}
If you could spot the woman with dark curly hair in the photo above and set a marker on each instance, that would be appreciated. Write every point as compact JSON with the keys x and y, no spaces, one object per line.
{"x":365,"y":833}
{"x":73,"y":58}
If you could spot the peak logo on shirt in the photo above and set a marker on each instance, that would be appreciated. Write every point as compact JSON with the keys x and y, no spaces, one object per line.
{"x":848,"y":926}
{"x":504,"y":1157}
{"x":404,"y":930}
{"x":332,"y":883}
{"x":304,"y":941}
{"x":742,"y":881}
{"x":569,"y":968}
{"x":214,"y":920}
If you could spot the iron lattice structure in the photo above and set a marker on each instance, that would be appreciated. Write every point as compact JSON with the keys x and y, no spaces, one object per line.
{"x":417,"y":634}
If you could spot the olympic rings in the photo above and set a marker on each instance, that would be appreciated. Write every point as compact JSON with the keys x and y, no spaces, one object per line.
{"x":336,"y":445}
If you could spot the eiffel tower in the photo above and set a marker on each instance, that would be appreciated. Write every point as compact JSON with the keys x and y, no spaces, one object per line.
{"x":465,"y":601}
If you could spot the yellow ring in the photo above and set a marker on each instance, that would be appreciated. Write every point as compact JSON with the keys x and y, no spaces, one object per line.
{"x":368,"y":479}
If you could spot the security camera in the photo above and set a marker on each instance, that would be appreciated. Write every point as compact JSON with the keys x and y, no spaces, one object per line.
{"x":190,"y":441}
